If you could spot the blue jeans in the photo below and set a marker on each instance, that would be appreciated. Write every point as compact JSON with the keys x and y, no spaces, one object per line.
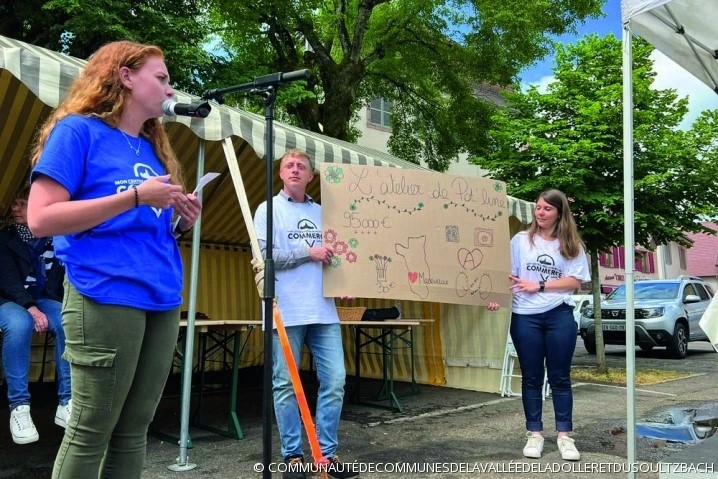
{"x":17,"y":327}
{"x":548,"y":337}
{"x":325,"y":343}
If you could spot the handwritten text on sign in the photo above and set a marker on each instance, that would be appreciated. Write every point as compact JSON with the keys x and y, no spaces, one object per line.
{"x":416,"y":235}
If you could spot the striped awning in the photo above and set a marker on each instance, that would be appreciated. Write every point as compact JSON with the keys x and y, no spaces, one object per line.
{"x":33,"y":80}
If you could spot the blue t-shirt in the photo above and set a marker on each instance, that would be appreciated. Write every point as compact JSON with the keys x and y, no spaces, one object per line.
{"x":131,"y":259}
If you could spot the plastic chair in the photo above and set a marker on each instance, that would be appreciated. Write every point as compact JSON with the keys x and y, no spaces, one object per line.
{"x":508,"y":374}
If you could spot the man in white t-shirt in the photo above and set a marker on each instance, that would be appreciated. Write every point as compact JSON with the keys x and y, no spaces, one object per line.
{"x":308,"y":316}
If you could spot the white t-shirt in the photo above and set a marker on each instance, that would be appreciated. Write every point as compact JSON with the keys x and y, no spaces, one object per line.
{"x":298,"y":285}
{"x":543,"y":262}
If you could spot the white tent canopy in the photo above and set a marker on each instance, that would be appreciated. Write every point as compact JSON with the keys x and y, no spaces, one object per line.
{"x":683,"y":30}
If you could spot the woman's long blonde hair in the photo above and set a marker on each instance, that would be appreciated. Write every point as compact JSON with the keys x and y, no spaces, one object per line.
{"x":565,"y":229}
{"x":98,"y":92}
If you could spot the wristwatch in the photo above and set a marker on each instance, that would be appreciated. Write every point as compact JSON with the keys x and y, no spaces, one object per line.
{"x":542,"y":286}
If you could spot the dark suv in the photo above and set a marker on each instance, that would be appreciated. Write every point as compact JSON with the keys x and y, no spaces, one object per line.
{"x":667,"y":313}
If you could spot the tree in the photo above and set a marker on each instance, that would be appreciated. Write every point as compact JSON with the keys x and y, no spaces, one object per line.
{"x":79,"y":27}
{"x":425,"y":56}
{"x":570,"y":138}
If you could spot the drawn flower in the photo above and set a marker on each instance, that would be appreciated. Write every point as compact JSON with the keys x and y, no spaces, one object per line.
{"x":353,"y":242}
{"x":351,"y":257}
{"x":498,"y":187}
{"x":353,"y":207}
{"x":330,"y":236}
{"x":335,"y":262}
{"x":446,"y":206}
{"x":420,"y":205}
{"x":334,"y":174}
{"x":340,"y":247}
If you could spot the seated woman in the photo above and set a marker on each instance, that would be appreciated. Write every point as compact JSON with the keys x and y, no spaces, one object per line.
{"x":30,"y":294}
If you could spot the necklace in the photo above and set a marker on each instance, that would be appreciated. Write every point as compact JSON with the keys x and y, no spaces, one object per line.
{"x":139,"y":144}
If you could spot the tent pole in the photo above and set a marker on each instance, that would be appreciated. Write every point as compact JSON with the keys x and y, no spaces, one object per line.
{"x":628,"y":240}
{"x":238,"y":182}
{"x":183,"y":463}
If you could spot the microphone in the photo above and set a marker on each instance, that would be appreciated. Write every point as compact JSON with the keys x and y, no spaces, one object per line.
{"x":196,"y":110}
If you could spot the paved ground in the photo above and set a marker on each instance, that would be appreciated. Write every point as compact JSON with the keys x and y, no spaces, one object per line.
{"x":460,"y":433}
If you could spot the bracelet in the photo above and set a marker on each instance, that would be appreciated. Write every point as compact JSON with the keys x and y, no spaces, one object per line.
{"x":180,"y":232}
{"x":137,"y":196}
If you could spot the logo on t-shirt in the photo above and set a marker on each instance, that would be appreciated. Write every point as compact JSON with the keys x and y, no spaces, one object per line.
{"x":306,"y":225}
{"x":307,"y":231}
{"x":545,"y":267}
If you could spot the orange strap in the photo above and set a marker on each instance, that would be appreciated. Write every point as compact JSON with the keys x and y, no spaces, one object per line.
{"x":298,"y":389}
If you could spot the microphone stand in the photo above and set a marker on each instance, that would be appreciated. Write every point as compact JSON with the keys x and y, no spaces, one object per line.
{"x":266,"y":87}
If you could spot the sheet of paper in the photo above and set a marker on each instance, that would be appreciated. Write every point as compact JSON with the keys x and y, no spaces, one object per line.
{"x":201,"y":184}
{"x":204,"y":181}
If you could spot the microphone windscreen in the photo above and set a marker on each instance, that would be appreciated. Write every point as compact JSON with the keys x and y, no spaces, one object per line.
{"x":168,"y":107}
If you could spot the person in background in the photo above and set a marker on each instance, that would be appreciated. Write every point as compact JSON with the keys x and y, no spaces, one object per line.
{"x":30,"y":295}
{"x":548,"y":263}
{"x":308,"y":316}
{"x":107,"y":185}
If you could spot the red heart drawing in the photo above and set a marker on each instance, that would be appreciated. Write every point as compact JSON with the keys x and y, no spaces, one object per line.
{"x":413,"y":276}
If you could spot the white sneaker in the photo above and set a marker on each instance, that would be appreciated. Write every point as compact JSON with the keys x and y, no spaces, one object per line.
{"x":568,"y":449}
{"x":63,"y":413}
{"x":21,"y":426}
{"x":534,"y":446}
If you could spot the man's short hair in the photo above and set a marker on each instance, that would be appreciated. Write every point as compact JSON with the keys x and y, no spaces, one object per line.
{"x":299,"y":154}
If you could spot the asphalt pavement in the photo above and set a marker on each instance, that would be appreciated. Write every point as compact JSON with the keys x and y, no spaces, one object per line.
{"x":441,"y":433}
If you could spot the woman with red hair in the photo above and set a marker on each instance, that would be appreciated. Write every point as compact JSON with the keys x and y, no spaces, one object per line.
{"x":106,"y":185}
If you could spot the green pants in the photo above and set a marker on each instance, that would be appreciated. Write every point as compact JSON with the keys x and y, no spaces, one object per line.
{"x":120,"y":358}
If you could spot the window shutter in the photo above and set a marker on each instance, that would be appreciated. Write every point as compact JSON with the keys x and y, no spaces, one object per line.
{"x":651,"y":263}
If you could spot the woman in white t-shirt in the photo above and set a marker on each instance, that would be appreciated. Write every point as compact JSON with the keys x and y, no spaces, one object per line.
{"x":548,"y":262}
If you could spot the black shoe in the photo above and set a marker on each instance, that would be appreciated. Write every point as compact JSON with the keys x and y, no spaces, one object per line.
{"x":338,"y":470}
{"x":295,"y":468}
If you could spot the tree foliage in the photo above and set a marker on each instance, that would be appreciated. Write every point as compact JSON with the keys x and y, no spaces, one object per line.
{"x":426,"y":56}
{"x":571,"y":138}
{"x":79,"y":27}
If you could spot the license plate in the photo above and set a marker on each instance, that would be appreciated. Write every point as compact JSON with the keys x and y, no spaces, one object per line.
{"x":614,"y":327}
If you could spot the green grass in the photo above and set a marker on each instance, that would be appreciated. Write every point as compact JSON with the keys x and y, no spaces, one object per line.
{"x":618,"y":375}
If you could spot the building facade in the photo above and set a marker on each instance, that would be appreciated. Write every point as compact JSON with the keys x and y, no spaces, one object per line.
{"x":703,"y":256}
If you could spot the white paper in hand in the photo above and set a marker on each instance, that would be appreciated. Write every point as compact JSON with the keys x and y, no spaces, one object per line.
{"x":201,"y":184}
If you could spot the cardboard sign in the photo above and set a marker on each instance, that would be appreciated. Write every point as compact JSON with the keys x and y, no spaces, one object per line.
{"x":415,"y":235}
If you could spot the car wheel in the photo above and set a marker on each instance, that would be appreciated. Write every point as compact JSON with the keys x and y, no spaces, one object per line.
{"x":590,"y":344}
{"x":678,"y":345}
{"x":646,"y":347}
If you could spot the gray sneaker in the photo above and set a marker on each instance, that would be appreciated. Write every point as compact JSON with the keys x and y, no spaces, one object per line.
{"x":568,"y":449}
{"x":21,"y":426}
{"x":534,"y":446}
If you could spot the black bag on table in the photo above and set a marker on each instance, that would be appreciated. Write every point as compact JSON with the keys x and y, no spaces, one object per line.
{"x":381,"y":314}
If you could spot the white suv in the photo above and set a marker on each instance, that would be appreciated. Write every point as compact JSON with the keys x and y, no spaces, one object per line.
{"x":667,"y":313}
